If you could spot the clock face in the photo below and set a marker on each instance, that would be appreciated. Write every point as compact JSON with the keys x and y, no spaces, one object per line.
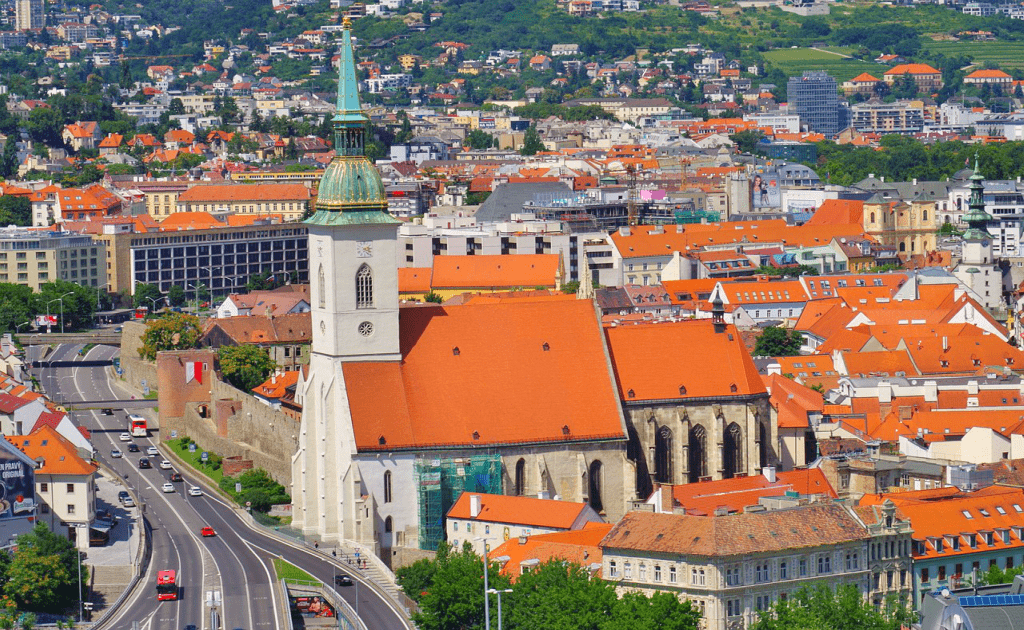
{"x":364,"y":249}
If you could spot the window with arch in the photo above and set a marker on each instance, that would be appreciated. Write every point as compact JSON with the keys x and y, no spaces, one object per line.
{"x":733,"y":450}
{"x":595,"y":486}
{"x":924,"y":215}
{"x":389,"y":525}
{"x":364,"y":287}
{"x":663,"y":455}
{"x":520,"y":481}
{"x":872,"y":217}
{"x":698,"y":453}
{"x":321,"y":291}
{"x":387,"y":486}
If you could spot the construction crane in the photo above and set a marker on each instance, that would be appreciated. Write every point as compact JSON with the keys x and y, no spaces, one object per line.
{"x":631,"y":195}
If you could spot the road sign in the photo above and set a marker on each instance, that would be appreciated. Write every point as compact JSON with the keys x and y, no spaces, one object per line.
{"x":238,"y":486}
{"x":205,"y":456}
{"x":174,"y":434}
{"x":192,"y":448}
{"x":145,"y":390}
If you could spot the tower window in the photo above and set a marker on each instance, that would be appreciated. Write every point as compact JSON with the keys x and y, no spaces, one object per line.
{"x":320,"y":288}
{"x":364,"y":287}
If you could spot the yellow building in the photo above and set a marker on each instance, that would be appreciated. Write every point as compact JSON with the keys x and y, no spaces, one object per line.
{"x":289,"y":200}
{"x":33,"y":258}
{"x":408,"y":62}
{"x":909,"y":227}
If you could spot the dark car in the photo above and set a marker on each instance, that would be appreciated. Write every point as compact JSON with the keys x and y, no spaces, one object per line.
{"x":107,"y":411}
{"x":176,"y":476}
{"x":342,"y":580}
{"x":144,"y":463}
{"x":133,"y":448}
{"x":105,"y":515}
{"x":122,"y":495}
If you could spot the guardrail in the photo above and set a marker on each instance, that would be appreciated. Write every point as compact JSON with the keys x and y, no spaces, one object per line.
{"x":350,"y":618}
{"x":146,"y":534}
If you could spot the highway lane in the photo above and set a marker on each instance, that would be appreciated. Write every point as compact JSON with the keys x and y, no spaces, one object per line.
{"x":242,"y":555}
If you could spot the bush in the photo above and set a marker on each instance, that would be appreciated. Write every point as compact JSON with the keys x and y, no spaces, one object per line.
{"x":258,"y":488}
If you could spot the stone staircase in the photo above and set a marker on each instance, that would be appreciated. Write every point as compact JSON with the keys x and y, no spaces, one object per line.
{"x":106,"y":584}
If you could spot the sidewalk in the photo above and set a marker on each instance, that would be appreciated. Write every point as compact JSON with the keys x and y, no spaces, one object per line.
{"x":111,"y":567}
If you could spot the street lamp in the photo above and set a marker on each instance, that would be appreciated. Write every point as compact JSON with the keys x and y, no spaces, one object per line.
{"x":498,"y":592}
{"x":154,"y":301}
{"x":197,"y":293}
{"x":61,"y":300}
{"x":487,"y":598}
{"x":17,"y":327}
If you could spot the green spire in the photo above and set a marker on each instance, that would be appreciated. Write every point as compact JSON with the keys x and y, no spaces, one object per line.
{"x":349,"y":121}
{"x":977,"y":219}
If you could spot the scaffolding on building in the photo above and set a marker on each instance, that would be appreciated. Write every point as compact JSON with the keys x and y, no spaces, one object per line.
{"x":440,"y":481}
{"x":697,"y":216}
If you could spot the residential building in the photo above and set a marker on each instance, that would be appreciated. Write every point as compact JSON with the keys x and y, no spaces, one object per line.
{"x":87,"y":204}
{"x":927,"y":78}
{"x":30,"y":14}
{"x":517,"y":556}
{"x":814,"y":97}
{"x":986,"y":76}
{"x":957,"y":532}
{"x":736,"y":566}
{"x":33,"y":258}
{"x":289,"y":200}
{"x":285,"y":338}
{"x":886,"y":118}
{"x":486,"y":520}
{"x":864,"y":84}
{"x":282,"y":301}
{"x":221,"y":256}
{"x":65,"y":483}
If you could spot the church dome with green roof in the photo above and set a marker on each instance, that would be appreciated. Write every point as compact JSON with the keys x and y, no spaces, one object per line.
{"x":351,"y":190}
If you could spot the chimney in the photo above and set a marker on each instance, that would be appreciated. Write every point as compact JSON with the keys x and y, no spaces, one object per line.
{"x":273,"y":379}
{"x":474,"y":505}
{"x":915,"y":181}
{"x":945,"y":343}
{"x":543,"y":494}
{"x":769,"y":473}
{"x":522,"y":539}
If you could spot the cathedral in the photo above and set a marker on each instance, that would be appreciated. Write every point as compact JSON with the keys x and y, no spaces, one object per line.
{"x":407,"y":405}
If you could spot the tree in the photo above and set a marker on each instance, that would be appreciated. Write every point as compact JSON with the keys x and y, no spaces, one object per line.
{"x":76,"y":302}
{"x":455,"y":597}
{"x":416,"y":578}
{"x":479,"y":139}
{"x":264,"y":281}
{"x":532,"y":144}
{"x":175,"y":332}
{"x":245,"y":366}
{"x":175,"y":295}
{"x":9,"y":161}
{"x":778,"y":342}
{"x":148,"y":295}
{"x":45,"y":125}
{"x":822,"y":608}
{"x":15,"y":210}
{"x":747,"y":139}
{"x":43,"y":573}
{"x":433,"y":297}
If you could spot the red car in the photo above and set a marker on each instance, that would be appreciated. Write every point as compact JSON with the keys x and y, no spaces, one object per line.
{"x":207,"y":532}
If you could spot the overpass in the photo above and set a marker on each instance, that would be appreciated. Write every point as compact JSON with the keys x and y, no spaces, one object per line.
{"x":99,"y":337}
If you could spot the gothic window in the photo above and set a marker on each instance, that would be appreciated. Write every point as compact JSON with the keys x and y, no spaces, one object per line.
{"x":733,"y":450}
{"x":663,"y":455}
{"x":595,"y":486}
{"x":321,"y":292}
{"x":698,"y":453}
{"x":389,"y":525}
{"x":872,"y":217}
{"x":387,"y":486}
{"x":520,"y":477}
{"x":763,"y":446}
{"x":364,"y":287}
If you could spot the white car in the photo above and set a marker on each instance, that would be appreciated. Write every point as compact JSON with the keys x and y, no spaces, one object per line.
{"x":166,"y":465}
{"x":152,"y":451}
{"x":168,"y":487}
{"x":116,"y":453}
{"x":126,"y":437}
{"x":195,"y":491}
{"x":128,"y":503}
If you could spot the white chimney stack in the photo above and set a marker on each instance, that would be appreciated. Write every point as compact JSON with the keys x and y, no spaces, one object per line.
{"x":474,"y":505}
{"x":769,"y":473}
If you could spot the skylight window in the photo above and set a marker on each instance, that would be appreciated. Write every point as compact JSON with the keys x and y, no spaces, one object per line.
{"x":1017,"y":508}
{"x":1000,"y":509}
{"x":984,"y":512}
{"x":967,"y":514}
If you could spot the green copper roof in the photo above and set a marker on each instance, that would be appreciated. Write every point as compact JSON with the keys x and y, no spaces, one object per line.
{"x":350,"y":191}
{"x":976,"y":217}
{"x":351,"y":183}
{"x":359,"y":217}
{"x":349,"y":110}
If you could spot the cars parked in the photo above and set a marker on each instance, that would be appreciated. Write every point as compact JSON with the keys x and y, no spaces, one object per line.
{"x":128,"y":503}
{"x":122,"y":495}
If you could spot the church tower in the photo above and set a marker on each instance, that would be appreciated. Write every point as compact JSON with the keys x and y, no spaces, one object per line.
{"x":353,"y":245}
{"x":977,"y":269}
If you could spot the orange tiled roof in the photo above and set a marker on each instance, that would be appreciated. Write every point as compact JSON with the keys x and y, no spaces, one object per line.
{"x":579,"y":546}
{"x":489,"y":272}
{"x":59,"y":456}
{"x":841,"y":211}
{"x":414,"y":279}
{"x":545,"y":381}
{"x":938,"y":513}
{"x":988,"y":74}
{"x":793,"y":401}
{"x":911,"y":68}
{"x":277,"y":385}
{"x":705,"y":363}
{"x":244,"y":192}
{"x":864,"y":77}
{"x":703,"y":498}
{"x":498,"y":508}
